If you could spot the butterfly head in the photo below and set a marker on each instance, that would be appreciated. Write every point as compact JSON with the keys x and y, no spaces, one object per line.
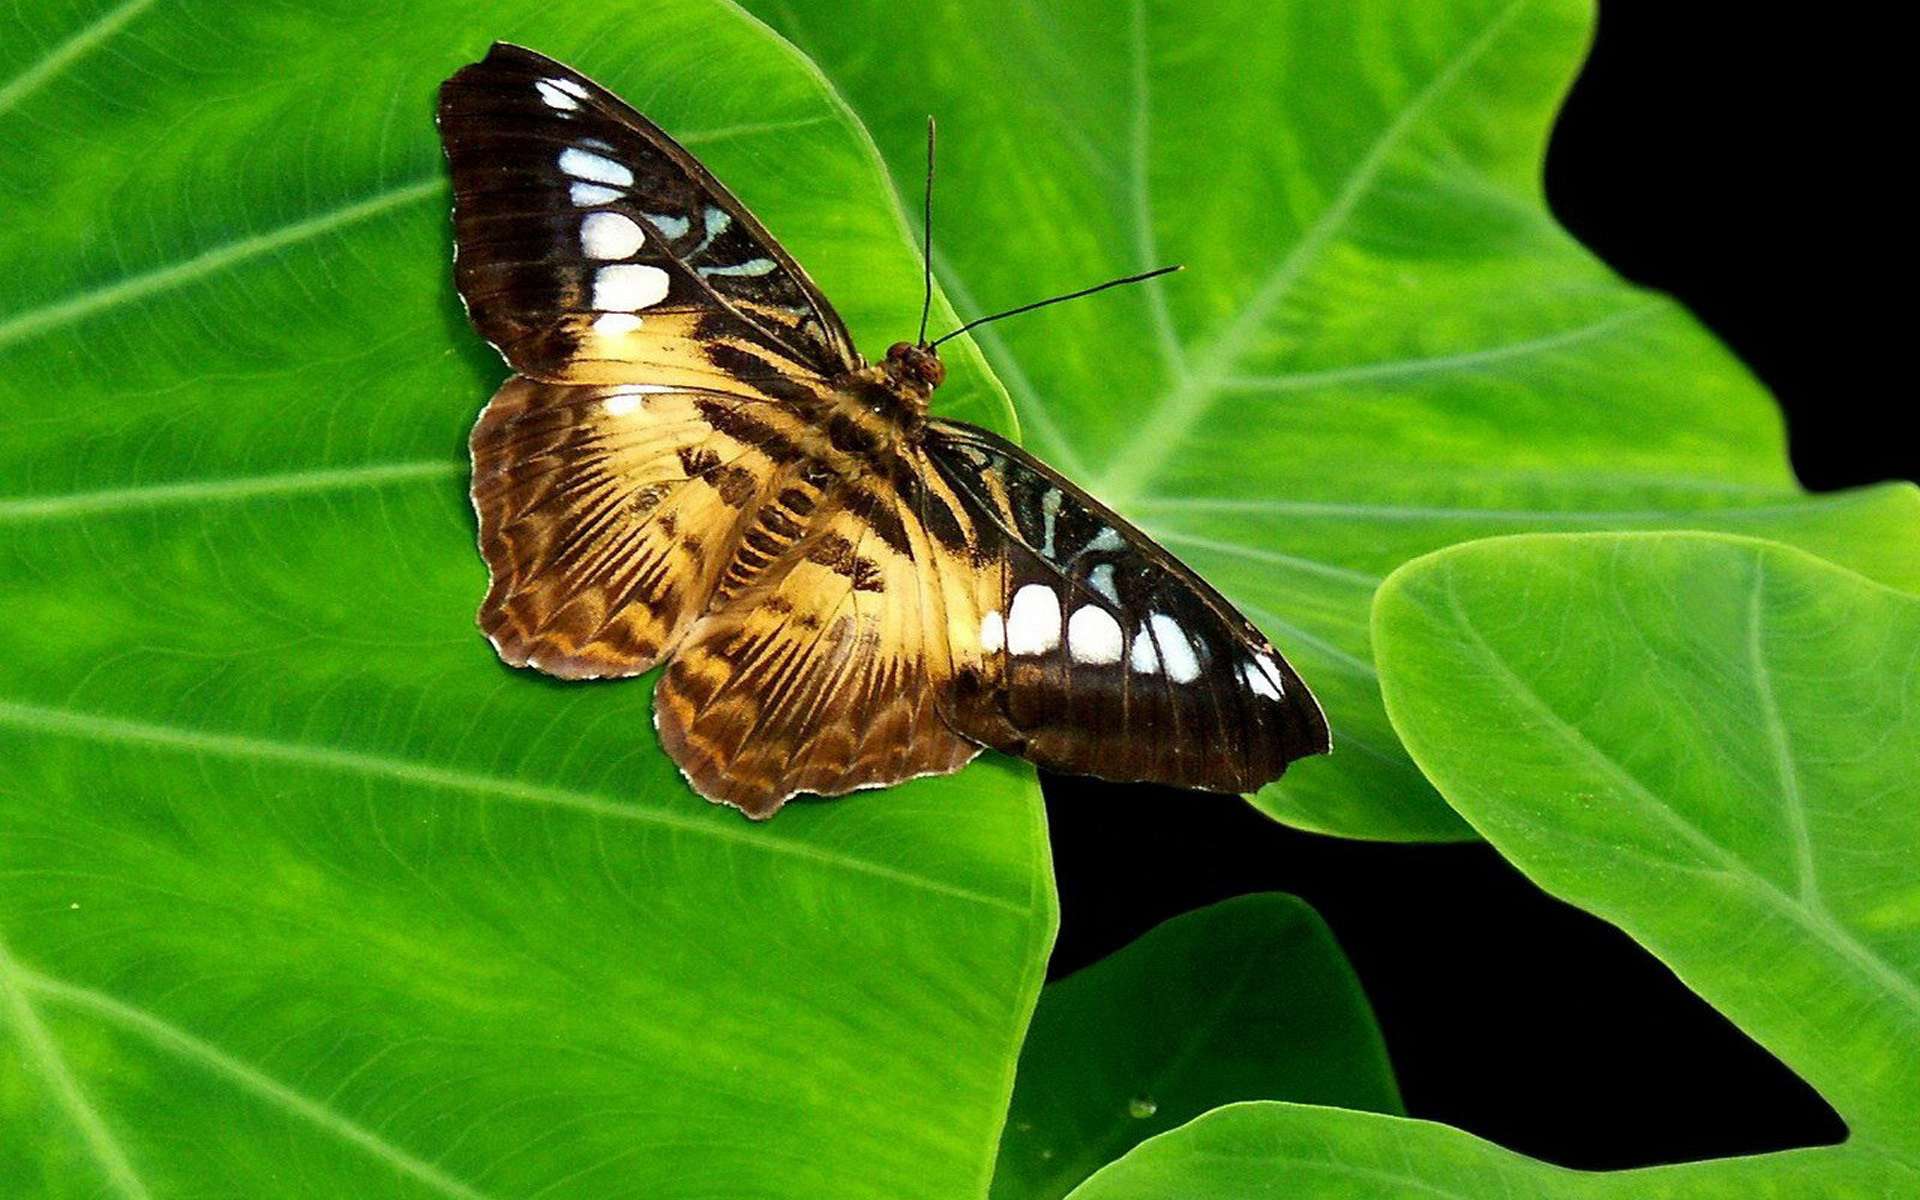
{"x":916,"y":367}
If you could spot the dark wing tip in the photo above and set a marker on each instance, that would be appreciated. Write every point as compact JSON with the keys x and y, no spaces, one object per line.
{"x":514,"y":52}
{"x":1303,"y":729}
{"x":1308,"y":734}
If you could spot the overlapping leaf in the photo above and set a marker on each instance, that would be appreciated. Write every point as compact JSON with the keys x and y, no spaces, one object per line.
{"x":1384,"y":343}
{"x":1249,"y":999}
{"x":301,"y":891}
{"x":1706,"y":740}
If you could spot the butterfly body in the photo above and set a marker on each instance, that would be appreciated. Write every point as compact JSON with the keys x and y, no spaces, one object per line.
{"x":692,"y":465}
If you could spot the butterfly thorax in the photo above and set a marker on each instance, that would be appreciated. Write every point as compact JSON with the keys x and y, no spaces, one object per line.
{"x":898,"y":388}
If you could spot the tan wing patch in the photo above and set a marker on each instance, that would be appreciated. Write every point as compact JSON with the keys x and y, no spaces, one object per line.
{"x":608,"y":514}
{"x":823,"y":675}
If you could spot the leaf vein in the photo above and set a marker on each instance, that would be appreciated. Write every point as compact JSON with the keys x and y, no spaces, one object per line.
{"x":1792,"y":801}
{"x":1176,"y":411}
{"x":244,"y":487}
{"x":99,"y":727}
{"x":1466,"y":359}
{"x":1146,"y":242}
{"x":87,"y":39}
{"x":1897,"y":986}
{"x":171,"y":1037}
{"x":16,"y":1007}
{"x":78,"y":307}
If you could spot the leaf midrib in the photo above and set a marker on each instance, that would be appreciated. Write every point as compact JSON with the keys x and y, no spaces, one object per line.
{"x":1173,"y":415}
{"x":1897,"y":987}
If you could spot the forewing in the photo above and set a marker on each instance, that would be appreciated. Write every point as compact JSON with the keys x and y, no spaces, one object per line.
{"x":824,"y":674}
{"x":609,"y":513}
{"x":589,"y":243}
{"x":1095,"y":651}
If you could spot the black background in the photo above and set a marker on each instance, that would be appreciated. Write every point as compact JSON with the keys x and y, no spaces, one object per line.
{"x":1744,"y":163}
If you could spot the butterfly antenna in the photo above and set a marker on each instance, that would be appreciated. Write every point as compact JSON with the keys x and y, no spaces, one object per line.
{"x":926,"y":241}
{"x":1111,"y":283}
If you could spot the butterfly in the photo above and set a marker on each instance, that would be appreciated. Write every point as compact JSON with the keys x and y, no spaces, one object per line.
{"x":692,"y":464}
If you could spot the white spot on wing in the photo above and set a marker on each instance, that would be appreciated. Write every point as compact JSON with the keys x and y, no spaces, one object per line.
{"x":597,"y":168}
{"x":993,"y":632}
{"x":1107,"y":539}
{"x":1100,"y":579}
{"x":1258,"y":680}
{"x":671,"y":228}
{"x":1271,"y":671}
{"x":1143,"y":659}
{"x":753,"y":266}
{"x":1049,"y":517}
{"x":629,"y":396}
{"x":1033,"y":622}
{"x":614,"y":324}
{"x":570,"y":87}
{"x":1175,"y":649}
{"x":590,"y":195}
{"x":554,"y":96}
{"x":1093,"y":636}
{"x":718,"y":221}
{"x":625,"y":287}
{"x":609,"y":235}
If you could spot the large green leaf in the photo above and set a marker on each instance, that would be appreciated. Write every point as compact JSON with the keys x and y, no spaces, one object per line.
{"x":1249,"y":999}
{"x":301,"y":891}
{"x":1384,"y":342}
{"x":1708,"y":741}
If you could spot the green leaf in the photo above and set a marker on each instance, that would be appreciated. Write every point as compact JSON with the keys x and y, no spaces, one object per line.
{"x":1708,"y":741}
{"x":1383,"y":343}
{"x":1249,"y":999}
{"x":1268,"y":1151}
{"x":301,"y":891}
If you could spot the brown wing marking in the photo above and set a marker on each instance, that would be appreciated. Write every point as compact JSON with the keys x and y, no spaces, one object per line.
{"x":609,"y":513}
{"x":822,"y":676}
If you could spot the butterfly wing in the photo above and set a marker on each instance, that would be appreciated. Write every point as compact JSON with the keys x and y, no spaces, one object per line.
{"x":670,"y":351}
{"x":643,"y":488}
{"x":589,"y":243}
{"x":1080,"y":644}
{"x":609,"y":514}
{"x":825,"y":674}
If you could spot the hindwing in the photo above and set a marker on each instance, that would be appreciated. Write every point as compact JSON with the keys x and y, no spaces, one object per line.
{"x":609,"y":515}
{"x":825,"y":674}
{"x":1097,"y":652}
